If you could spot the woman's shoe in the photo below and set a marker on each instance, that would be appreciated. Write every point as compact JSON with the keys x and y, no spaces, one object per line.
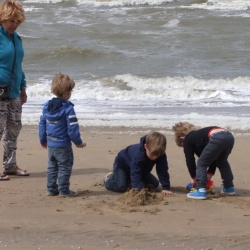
{"x":16,"y":171}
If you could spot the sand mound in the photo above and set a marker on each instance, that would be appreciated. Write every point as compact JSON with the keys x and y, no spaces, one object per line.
{"x":135,"y":197}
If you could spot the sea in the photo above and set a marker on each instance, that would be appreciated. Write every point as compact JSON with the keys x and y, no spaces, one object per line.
{"x":141,"y":63}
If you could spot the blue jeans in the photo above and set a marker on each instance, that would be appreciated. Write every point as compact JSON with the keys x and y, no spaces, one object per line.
{"x":59,"y":168}
{"x":218,"y":149}
{"x":121,"y":180}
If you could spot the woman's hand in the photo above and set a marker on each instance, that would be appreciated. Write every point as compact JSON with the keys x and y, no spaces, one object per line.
{"x":23,"y":96}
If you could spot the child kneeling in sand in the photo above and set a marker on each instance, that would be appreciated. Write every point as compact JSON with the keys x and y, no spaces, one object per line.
{"x":58,"y":126}
{"x":133,"y":165}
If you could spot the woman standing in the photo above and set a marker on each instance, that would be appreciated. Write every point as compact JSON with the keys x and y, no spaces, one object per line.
{"x":11,"y":73}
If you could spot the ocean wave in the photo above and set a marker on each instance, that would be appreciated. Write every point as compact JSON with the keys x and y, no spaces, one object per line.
{"x":97,"y":114}
{"x":171,"y":23}
{"x":132,"y":101}
{"x":23,"y":36}
{"x":167,"y":91}
{"x":209,"y":4}
{"x":221,"y":5}
{"x":31,"y":9}
{"x":123,"y":2}
{"x":72,"y":54}
{"x":46,"y":1}
{"x":103,"y":2}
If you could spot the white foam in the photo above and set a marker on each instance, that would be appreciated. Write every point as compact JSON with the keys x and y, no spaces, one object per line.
{"x":133,"y":101}
{"x":43,"y":1}
{"x":188,"y":90}
{"x":221,"y":5}
{"x":172,"y":23}
{"x":31,"y":9}
{"x":210,"y":4}
{"x":149,"y":120}
{"x":122,"y":2}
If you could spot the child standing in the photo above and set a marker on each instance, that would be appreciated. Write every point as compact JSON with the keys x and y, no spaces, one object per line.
{"x":133,"y":165}
{"x":212,"y":145}
{"x":59,"y":126}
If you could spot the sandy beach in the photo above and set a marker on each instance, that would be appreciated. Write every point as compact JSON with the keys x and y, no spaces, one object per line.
{"x":100,"y":219}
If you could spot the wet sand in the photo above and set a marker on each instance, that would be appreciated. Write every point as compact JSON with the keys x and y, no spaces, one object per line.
{"x":100,"y":219}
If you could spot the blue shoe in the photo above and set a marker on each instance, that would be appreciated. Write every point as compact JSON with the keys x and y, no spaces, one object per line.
{"x":228,"y":191}
{"x":198,"y":194}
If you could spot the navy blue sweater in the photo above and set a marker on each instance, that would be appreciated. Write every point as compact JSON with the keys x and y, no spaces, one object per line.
{"x":134,"y":160}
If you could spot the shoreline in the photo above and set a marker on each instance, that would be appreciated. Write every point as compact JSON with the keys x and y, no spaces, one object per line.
{"x":128,"y":130}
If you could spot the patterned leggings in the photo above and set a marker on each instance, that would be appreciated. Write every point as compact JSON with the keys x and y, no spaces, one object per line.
{"x":10,"y":126}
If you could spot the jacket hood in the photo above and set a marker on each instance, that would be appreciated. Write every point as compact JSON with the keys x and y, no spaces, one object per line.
{"x":55,"y":108}
{"x":142,"y":142}
{"x":54,"y":105}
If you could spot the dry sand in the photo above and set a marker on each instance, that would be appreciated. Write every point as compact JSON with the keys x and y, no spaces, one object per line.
{"x":100,"y":219}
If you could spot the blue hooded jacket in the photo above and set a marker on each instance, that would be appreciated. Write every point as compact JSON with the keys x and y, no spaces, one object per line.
{"x":134,"y":160}
{"x":7,"y":54}
{"x":58,"y":124}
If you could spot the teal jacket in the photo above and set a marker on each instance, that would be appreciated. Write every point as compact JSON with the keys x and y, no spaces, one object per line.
{"x":7,"y":53}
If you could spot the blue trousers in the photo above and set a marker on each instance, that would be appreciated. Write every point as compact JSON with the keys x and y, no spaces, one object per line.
{"x":121,"y":180}
{"x":60,"y":165}
{"x":218,"y":149}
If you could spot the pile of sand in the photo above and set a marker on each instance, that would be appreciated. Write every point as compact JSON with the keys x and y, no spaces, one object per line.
{"x":134,"y":197}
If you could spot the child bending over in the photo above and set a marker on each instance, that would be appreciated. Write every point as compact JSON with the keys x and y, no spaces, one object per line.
{"x":212,"y":145}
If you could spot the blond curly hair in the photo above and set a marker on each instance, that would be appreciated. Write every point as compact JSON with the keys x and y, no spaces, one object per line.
{"x":61,"y":85}
{"x":11,"y":9}
{"x":181,"y":129}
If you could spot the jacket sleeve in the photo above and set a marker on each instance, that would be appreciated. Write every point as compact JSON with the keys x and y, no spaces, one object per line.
{"x":162,"y":172}
{"x":190,"y":159}
{"x":42,"y":129}
{"x":73,"y":126}
{"x":136,"y":173}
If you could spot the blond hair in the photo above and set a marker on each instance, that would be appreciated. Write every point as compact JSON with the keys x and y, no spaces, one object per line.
{"x":61,"y":85}
{"x":181,"y":129}
{"x":156,"y":143}
{"x":11,"y":9}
